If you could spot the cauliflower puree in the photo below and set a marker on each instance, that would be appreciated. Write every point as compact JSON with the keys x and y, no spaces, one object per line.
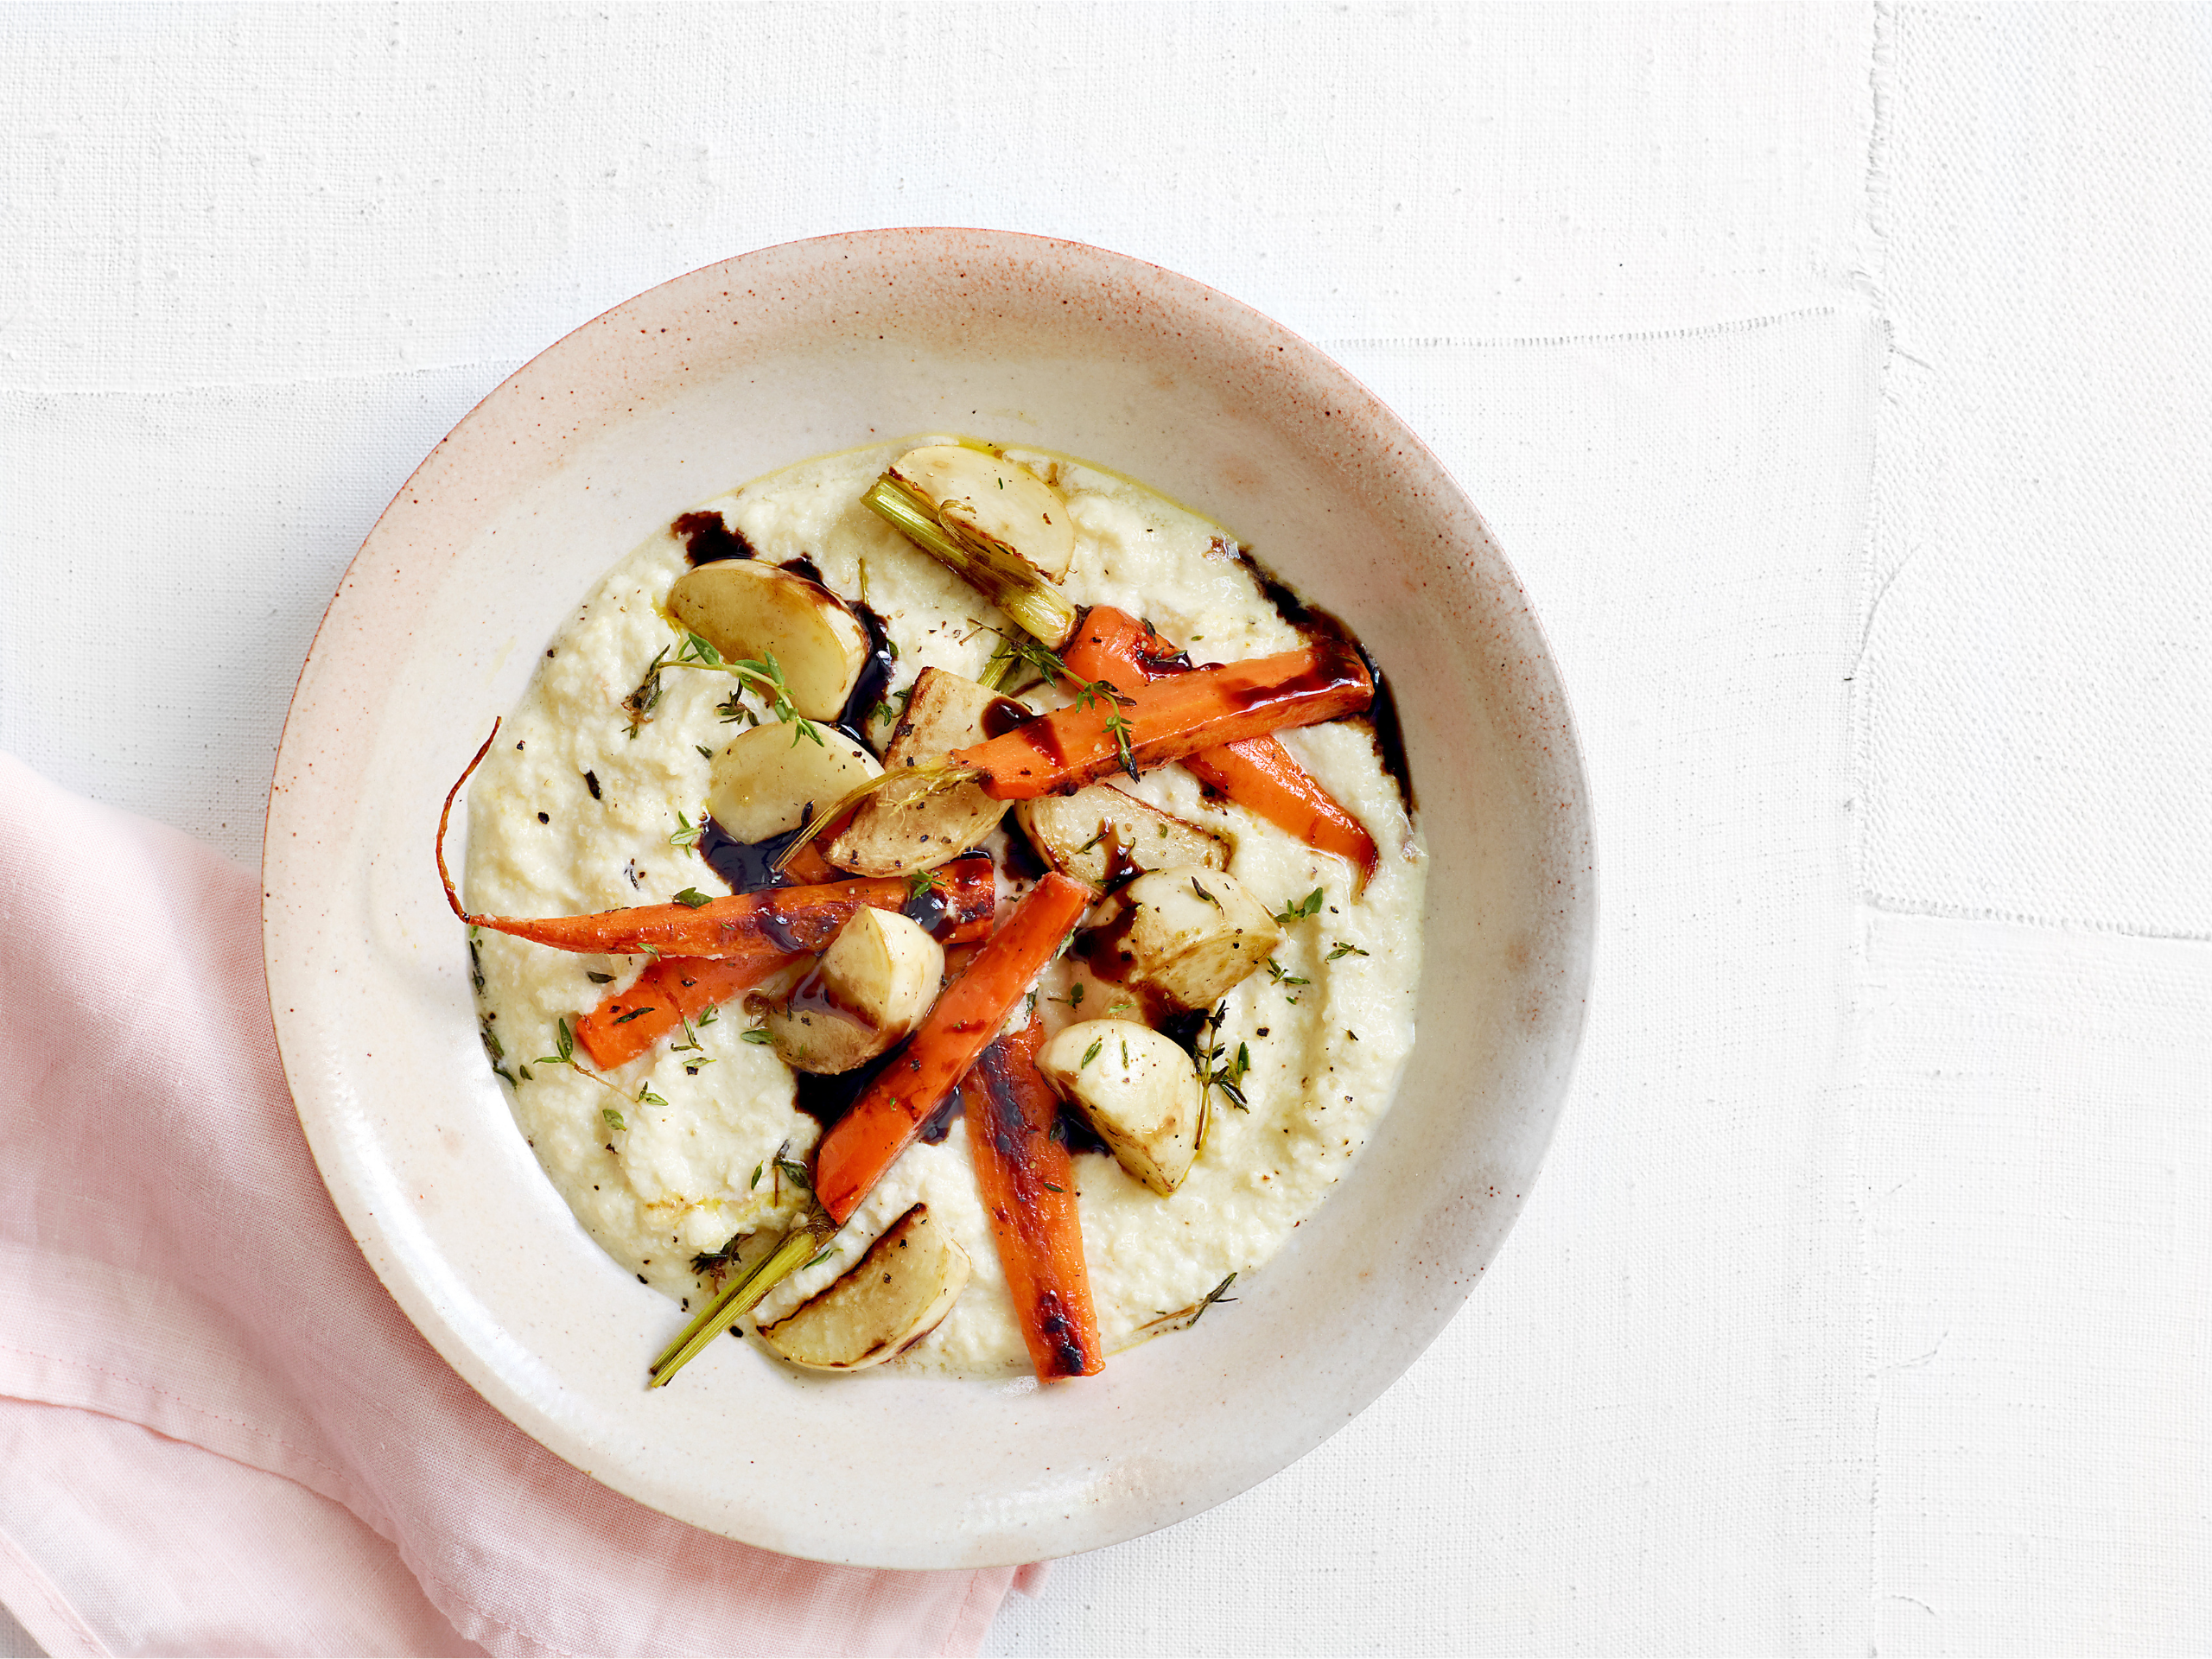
{"x":673,"y":1156}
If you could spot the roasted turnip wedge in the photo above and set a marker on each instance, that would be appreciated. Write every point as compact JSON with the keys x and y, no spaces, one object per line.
{"x":752,"y":612}
{"x":1000,"y":526}
{"x":891,"y":836}
{"x":1139,"y":1090}
{"x":893,"y":1296}
{"x":1102,"y":834}
{"x":1184,"y":937}
{"x":872,"y":986}
{"x":978,"y":496}
{"x":764,"y":781}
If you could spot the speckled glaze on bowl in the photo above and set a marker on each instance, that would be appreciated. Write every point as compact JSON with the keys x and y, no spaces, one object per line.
{"x":710,"y":380}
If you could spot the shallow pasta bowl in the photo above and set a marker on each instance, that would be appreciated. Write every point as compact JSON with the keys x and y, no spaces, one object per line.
{"x":714,"y":378}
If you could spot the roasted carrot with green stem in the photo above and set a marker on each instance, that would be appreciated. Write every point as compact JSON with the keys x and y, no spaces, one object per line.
{"x":1028,"y":1185}
{"x":779,"y":920}
{"x":783,"y":920}
{"x":890,"y":1112}
{"x":1257,"y":774}
{"x":957,"y":908}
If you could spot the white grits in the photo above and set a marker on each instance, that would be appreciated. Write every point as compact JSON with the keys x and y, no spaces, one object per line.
{"x":680,"y":1178}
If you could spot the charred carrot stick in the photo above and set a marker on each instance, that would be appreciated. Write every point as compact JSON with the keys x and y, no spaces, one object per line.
{"x":891,"y":1110}
{"x":1257,"y":774}
{"x":1179,"y":716}
{"x":1028,"y":1186}
{"x":677,"y":989}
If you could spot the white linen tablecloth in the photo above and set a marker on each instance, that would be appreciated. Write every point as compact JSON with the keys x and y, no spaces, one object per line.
{"x":1836,"y":378}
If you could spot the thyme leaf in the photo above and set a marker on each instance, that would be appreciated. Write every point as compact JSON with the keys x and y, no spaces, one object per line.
{"x":641,"y":702}
{"x":762,"y":676}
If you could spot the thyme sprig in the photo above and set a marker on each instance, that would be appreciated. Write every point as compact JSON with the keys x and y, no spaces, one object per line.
{"x":494,"y":1052}
{"x":1218,"y":1294}
{"x":1090,"y":693}
{"x":564,"y":1047}
{"x":691,"y":1044}
{"x":1218,"y":1071}
{"x":762,"y":676}
{"x":1014,"y":651}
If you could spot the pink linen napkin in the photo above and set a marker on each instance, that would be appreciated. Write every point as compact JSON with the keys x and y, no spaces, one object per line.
{"x":316,"y":1480}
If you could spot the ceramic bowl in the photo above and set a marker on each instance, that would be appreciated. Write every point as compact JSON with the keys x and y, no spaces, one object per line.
{"x":698,"y":385}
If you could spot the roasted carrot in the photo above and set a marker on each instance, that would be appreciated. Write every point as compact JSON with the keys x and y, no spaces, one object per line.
{"x":677,"y":989}
{"x":1028,"y":1186}
{"x":1181,"y":714}
{"x":669,"y":992}
{"x":891,"y":1110}
{"x":808,"y":865}
{"x":1257,"y":774}
{"x":1112,"y":645}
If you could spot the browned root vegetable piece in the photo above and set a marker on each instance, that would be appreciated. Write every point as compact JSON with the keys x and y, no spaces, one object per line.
{"x":891,"y":836}
{"x":888,"y":1300}
{"x":1102,"y":835}
{"x":669,"y":992}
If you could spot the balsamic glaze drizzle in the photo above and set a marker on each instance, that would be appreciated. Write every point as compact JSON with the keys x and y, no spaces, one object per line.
{"x":825,"y":1098}
{"x":1313,"y":621}
{"x":709,"y":540}
{"x":747,"y":865}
